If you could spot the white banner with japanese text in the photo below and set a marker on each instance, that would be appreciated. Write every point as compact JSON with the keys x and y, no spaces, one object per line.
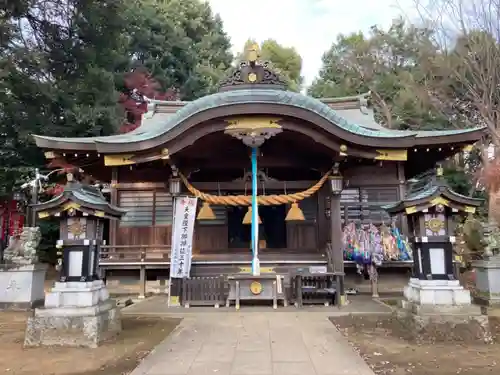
{"x":182,"y":236}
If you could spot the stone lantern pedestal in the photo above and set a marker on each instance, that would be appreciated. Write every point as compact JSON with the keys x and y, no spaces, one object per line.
{"x":488,"y":281}
{"x":74,"y":314}
{"x":22,"y":278}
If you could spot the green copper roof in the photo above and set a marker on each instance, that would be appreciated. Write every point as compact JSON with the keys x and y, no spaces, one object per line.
{"x":422,"y":194}
{"x":152,"y":129}
{"x":428,"y":185}
{"x":89,"y":197}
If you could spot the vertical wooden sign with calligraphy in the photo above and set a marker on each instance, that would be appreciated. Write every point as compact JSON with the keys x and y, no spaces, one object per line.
{"x":182,"y":243}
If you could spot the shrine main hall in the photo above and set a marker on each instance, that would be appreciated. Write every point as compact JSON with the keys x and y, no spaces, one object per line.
{"x":322,"y":164}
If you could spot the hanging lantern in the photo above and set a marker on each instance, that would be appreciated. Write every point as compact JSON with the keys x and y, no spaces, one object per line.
{"x":206,"y":212}
{"x":336,"y":184}
{"x":248,"y":217}
{"x":295,"y":213}
{"x":175,"y":185}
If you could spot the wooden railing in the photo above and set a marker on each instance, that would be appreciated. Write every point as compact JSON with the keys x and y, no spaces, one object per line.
{"x":123,"y":254}
{"x":134,"y":253}
{"x":204,"y":291}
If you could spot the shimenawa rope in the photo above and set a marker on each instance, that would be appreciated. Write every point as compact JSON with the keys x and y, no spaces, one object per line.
{"x":263,"y":200}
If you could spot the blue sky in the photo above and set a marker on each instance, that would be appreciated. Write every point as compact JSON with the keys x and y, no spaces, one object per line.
{"x":308,"y":25}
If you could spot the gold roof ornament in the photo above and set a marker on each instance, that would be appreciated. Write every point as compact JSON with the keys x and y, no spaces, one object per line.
{"x":253,"y":53}
{"x":253,"y":131}
{"x":252,"y":72}
{"x":343,"y":150}
{"x":439,"y":171}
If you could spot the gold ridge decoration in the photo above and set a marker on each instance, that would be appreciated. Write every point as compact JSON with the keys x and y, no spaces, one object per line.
{"x":118,"y":160}
{"x":263,"y":200}
{"x":394,"y":155}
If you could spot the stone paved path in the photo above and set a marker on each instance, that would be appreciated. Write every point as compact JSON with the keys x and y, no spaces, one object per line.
{"x":270,"y":343}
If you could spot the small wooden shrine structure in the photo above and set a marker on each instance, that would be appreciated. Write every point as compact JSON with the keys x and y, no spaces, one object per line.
{"x":330,"y":162}
{"x":84,"y":212}
{"x":430,"y":207}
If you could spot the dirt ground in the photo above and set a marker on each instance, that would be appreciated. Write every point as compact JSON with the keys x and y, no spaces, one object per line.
{"x":382,"y":341}
{"x":139,"y":337}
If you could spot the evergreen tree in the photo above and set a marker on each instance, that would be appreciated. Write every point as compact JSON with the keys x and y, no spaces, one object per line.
{"x":388,"y":63}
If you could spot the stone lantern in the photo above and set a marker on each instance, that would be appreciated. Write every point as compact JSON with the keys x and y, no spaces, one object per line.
{"x":431,"y":209}
{"x":487,"y":269}
{"x":79,"y":299}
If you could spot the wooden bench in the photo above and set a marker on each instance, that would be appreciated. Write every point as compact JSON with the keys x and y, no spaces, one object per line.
{"x":310,"y":288}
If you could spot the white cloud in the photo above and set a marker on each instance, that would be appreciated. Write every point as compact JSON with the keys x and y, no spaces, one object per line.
{"x":308,"y":25}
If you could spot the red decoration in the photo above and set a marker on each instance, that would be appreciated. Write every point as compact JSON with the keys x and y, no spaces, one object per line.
{"x":65,"y":167}
{"x":16,"y":224}
{"x":140,"y":83}
{"x":11,"y":219}
{"x":55,"y":190}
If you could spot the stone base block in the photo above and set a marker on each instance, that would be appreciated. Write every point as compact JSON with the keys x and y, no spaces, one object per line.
{"x":76,"y":294}
{"x":73,"y":326}
{"x":437,"y":292}
{"x":22,"y":287}
{"x":440,"y":323}
{"x":441,"y":310}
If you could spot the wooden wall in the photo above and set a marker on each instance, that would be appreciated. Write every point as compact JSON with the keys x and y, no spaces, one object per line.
{"x":367,"y":189}
{"x":211,"y":235}
{"x":381,"y":174}
{"x":209,"y":238}
{"x":149,"y":220}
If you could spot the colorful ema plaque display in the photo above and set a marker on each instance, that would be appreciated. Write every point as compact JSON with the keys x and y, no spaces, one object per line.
{"x":430,"y":208}
{"x":367,"y":244}
{"x":82,"y":210}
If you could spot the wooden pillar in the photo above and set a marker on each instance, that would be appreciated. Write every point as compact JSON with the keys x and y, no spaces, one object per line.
{"x":175,"y":286}
{"x":373,"y":272}
{"x":113,"y":225}
{"x":142,"y":282}
{"x":323,"y":222}
{"x":336,"y":243}
{"x":402,"y":193}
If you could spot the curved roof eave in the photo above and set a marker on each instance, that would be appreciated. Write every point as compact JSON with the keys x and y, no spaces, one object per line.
{"x":151,"y":132}
{"x":425,"y":196}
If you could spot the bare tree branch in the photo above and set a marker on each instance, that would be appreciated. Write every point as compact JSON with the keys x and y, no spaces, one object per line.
{"x":466,"y":72}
